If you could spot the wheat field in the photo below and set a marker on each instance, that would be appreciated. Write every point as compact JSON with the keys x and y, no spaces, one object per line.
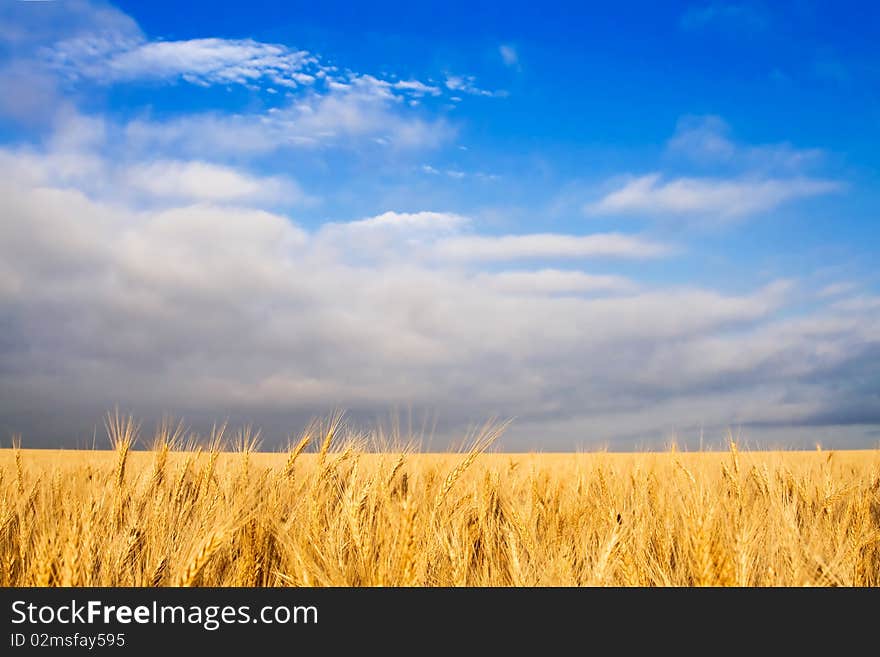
{"x":332,"y":511}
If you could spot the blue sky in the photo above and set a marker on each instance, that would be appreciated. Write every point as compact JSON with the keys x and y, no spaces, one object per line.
{"x":616,"y":224}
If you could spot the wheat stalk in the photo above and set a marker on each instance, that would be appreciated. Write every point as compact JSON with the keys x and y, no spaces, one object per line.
{"x":485,"y":438}
{"x":293,"y":454}
{"x":19,"y":467}
{"x":123,"y":434}
{"x":201,"y":557}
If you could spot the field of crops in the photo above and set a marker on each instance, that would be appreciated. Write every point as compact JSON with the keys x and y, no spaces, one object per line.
{"x":330,"y":512}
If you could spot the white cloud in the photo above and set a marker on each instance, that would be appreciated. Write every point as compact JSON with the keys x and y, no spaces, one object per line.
{"x":202,"y":181}
{"x":109,"y":59}
{"x":707,"y":140}
{"x":127,"y":55}
{"x":703,"y":138}
{"x":205,"y":249}
{"x":859,"y":303}
{"x":549,"y":245}
{"x":24,"y":28}
{"x":36,"y":97}
{"x":347,"y":116}
{"x":409,"y":221}
{"x":508,"y":55}
{"x":446,"y":239}
{"x":417,"y":88}
{"x":388,"y":237}
{"x":320,"y":104}
{"x":468,"y":84}
{"x":650,"y":195}
{"x":71,"y":159}
{"x":25,"y":24}
{"x":556,"y":281}
{"x":836,"y":289}
{"x":457,"y":174}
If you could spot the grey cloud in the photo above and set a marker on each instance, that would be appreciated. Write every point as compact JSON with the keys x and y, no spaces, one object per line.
{"x":210,"y":309}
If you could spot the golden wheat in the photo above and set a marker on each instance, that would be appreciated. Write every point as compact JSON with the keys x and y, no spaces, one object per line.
{"x":182,"y":515}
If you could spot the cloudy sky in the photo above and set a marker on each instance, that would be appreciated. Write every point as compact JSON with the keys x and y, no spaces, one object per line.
{"x":615,"y":224}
